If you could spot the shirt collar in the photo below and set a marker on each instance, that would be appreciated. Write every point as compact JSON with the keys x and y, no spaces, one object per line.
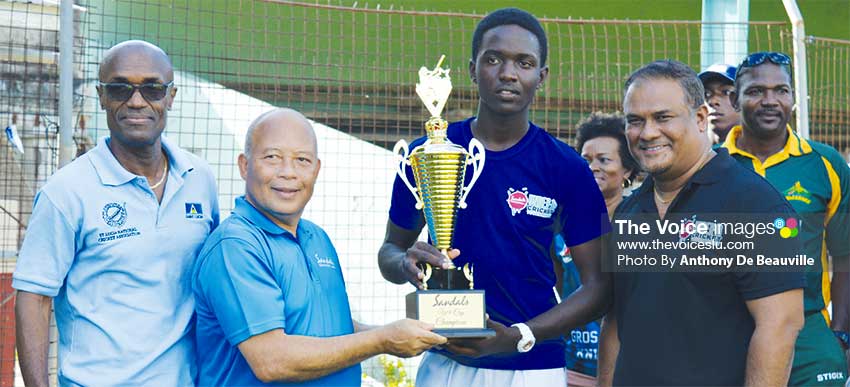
{"x":794,"y":146}
{"x":257,"y":218}
{"x":713,"y":171}
{"x":111,"y":172}
{"x":177,"y":159}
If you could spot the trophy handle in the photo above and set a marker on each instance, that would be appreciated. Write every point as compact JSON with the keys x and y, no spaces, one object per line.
{"x":428,"y":271}
{"x":467,"y":272}
{"x":476,"y":158}
{"x":403,"y":157}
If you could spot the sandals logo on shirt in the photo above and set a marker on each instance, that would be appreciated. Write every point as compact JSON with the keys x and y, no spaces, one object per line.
{"x":535,"y":205}
{"x":324,"y":262}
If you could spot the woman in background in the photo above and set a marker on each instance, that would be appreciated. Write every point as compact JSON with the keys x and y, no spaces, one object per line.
{"x":602,"y":142}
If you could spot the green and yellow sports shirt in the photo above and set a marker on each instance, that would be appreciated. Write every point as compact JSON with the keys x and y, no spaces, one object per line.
{"x":815,"y":179}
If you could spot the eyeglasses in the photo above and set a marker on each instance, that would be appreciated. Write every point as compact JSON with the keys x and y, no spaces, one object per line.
{"x":758,"y":58}
{"x":122,"y":91}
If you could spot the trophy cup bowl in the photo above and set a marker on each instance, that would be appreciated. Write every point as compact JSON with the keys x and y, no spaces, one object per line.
{"x":449,"y":300}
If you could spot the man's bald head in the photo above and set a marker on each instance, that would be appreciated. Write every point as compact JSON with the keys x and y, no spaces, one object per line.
{"x":280,"y":166}
{"x":131,"y":50}
{"x":279,"y":119}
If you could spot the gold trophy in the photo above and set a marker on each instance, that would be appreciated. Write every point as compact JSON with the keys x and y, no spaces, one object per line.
{"x":449,"y":300}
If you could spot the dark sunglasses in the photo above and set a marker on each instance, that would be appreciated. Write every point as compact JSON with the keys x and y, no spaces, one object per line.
{"x":758,"y":58}
{"x":122,"y":91}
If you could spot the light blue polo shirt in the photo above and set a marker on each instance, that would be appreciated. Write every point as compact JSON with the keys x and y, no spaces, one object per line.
{"x":253,"y":276}
{"x":118,"y":264}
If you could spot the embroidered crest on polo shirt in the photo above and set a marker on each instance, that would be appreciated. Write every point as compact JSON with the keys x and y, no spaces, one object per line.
{"x":324,"y":262}
{"x":115,"y":215}
{"x":535,"y":205}
{"x":194,"y":211}
{"x":798,"y":193}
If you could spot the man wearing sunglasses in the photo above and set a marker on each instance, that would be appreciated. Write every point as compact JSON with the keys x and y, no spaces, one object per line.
{"x":814,"y":178}
{"x":112,"y":238}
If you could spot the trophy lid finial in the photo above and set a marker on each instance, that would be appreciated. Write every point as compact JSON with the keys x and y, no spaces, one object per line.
{"x":434,"y":87}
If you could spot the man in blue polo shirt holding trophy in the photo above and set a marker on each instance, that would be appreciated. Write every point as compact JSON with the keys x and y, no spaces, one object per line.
{"x":271,"y":300}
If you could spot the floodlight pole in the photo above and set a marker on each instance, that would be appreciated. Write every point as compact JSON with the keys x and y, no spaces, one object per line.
{"x":801,"y":81}
{"x":724,"y":32}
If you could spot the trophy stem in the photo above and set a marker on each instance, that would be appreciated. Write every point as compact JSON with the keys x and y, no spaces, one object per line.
{"x":445,"y":253}
{"x":449,"y":277}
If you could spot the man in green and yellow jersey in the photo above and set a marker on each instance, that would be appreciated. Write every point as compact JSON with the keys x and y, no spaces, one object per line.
{"x":815,"y":179}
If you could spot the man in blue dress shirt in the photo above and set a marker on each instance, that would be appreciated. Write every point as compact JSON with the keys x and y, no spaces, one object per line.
{"x":271,"y":300}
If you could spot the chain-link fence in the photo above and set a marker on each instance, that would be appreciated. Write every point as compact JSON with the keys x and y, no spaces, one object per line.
{"x":29,"y":53}
{"x":829,"y":92}
{"x":353,"y":71}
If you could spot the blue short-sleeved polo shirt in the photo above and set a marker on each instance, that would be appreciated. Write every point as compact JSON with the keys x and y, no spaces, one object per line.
{"x":253,"y":276}
{"x":117,"y":263}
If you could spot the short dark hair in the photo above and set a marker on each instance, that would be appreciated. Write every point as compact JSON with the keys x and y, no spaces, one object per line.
{"x":611,"y":125}
{"x":676,"y":71}
{"x":509,"y":16}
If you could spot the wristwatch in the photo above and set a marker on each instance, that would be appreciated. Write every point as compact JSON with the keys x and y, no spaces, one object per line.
{"x":527,"y":341}
{"x":844,"y":337}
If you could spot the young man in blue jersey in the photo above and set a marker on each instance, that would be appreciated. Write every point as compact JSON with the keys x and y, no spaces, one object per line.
{"x":509,"y":241}
{"x":272,"y":308}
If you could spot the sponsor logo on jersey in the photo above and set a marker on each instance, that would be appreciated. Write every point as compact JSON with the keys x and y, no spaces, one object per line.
{"x":517,"y":200}
{"x":701,"y":231}
{"x":827,"y":376}
{"x":324,"y":262}
{"x":535,"y":205}
{"x":194,"y":211}
{"x":799,"y":193}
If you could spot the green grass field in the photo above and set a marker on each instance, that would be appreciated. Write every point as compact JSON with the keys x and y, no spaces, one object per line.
{"x":350,"y":63}
{"x":259,"y":42}
{"x":824,"y":18}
